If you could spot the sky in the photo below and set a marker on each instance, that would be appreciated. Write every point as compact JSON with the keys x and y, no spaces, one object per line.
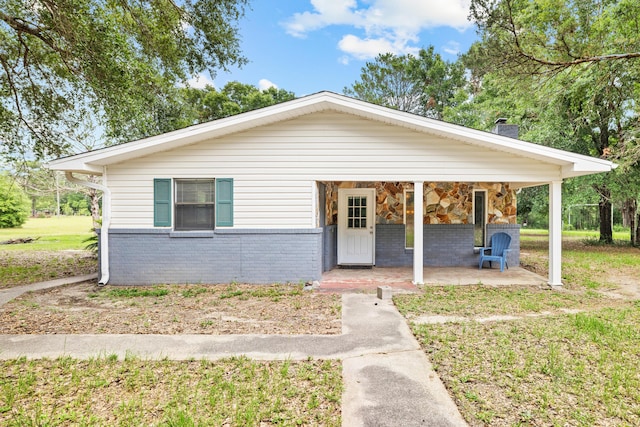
{"x":307,"y":46}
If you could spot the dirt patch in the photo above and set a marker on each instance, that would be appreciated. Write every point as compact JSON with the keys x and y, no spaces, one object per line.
{"x":172,"y":309}
{"x":24,"y":267}
{"x":609,"y":269}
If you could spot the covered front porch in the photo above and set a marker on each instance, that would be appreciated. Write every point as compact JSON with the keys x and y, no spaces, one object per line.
{"x":400,"y":279}
{"x":384,"y":224}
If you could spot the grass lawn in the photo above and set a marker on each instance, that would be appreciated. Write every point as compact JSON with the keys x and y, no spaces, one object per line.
{"x":54,"y":234}
{"x":133,"y":392}
{"x":558,"y":369}
{"x":532,"y":233}
{"x":58,"y":252}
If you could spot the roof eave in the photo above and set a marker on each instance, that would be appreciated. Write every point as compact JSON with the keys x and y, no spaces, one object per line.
{"x":587,"y":168}
{"x":75,"y":166}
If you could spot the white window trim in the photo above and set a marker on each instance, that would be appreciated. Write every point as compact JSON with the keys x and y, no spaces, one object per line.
{"x":175,"y":182}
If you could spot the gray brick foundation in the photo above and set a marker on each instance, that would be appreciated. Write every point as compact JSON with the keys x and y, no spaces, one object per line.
{"x":390,"y":250}
{"x":445,"y":245}
{"x":329,"y":247}
{"x":152,"y":256}
{"x":155,"y":256}
{"x":449,"y":245}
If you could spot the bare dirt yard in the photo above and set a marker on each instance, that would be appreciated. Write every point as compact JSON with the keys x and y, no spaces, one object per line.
{"x":20,"y":267}
{"x":172,"y":309}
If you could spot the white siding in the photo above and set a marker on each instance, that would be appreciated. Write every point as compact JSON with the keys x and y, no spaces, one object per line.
{"x":275,"y":167}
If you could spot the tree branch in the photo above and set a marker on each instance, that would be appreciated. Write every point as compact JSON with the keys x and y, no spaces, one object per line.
{"x":14,"y":92}
{"x":22,"y":26}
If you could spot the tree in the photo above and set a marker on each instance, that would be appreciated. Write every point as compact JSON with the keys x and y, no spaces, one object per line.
{"x":119,"y":60}
{"x":578,"y":59}
{"x":37,"y":183}
{"x":75,"y":204}
{"x":386,"y":81}
{"x":546,"y":36}
{"x":14,"y":204}
{"x":234,"y":98}
{"x":422,"y":85}
{"x":627,"y":153}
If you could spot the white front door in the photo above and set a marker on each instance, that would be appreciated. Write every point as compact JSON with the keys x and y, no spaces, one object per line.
{"x":356,"y":226}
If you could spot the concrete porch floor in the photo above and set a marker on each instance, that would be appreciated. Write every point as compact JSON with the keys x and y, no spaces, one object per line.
{"x":399,"y":278}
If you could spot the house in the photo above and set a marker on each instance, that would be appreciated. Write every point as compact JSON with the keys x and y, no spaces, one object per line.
{"x":283,"y":193}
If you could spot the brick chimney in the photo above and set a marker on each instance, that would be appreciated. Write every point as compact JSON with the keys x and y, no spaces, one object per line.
{"x":502,"y":128}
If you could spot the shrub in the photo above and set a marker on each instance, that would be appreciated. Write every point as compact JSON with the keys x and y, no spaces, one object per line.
{"x":14,"y":204}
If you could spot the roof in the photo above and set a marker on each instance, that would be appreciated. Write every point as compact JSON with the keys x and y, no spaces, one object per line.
{"x":571,"y":164}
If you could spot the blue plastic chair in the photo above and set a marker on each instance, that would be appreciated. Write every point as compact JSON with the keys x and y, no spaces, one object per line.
{"x":497,"y":251}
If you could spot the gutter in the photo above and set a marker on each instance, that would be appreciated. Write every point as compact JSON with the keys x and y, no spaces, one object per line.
{"x":106,"y":220}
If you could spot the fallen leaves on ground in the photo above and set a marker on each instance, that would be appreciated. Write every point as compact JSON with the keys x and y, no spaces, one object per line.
{"x":172,"y":309}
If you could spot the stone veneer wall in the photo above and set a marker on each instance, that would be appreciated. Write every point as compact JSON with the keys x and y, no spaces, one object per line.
{"x":444,"y":202}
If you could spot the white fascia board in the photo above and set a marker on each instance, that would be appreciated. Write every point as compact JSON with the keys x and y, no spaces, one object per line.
{"x":584,"y":168}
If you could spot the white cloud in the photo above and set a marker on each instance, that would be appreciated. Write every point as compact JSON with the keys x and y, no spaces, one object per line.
{"x":451,"y":47}
{"x":370,"y":47}
{"x":388,"y":25}
{"x":326,"y":12}
{"x":344,"y":59}
{"x":265,"y":84}
{"x":200,"y":81}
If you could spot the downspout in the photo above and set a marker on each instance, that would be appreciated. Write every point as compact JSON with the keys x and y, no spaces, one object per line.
{"x":106,"y":219}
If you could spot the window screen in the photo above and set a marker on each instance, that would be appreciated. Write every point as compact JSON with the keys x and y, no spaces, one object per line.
{"x":195,"y":204}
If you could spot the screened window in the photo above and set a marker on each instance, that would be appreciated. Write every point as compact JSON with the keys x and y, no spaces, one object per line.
{"x":195,"y":204}
{"x":408,"y":219}
{"x":479,"y":217}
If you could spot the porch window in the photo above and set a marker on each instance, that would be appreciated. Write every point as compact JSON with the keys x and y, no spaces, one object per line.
{"x":409,"y":227}
{"x":194,"y":204}
{"x":479,"y":217}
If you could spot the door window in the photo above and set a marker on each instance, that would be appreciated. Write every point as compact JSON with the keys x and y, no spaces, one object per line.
{"x":357,"y":212}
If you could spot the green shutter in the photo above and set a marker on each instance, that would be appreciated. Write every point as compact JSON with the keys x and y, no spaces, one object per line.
{"x":224,"y":202}
{"x":162,"y":202}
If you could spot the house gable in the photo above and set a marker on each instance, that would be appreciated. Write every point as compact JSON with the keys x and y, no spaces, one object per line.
{"x":570,"y":164}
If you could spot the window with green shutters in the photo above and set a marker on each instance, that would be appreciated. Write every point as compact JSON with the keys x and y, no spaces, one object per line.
{"x":198,"y":204}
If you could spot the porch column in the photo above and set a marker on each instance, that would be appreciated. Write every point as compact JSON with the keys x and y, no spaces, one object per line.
{"x":418,"y":231}
{"x":555,"y":233}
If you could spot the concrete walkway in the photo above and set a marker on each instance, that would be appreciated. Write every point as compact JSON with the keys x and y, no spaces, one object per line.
{"x":7,"y":295}
{"x":388,"y":378}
